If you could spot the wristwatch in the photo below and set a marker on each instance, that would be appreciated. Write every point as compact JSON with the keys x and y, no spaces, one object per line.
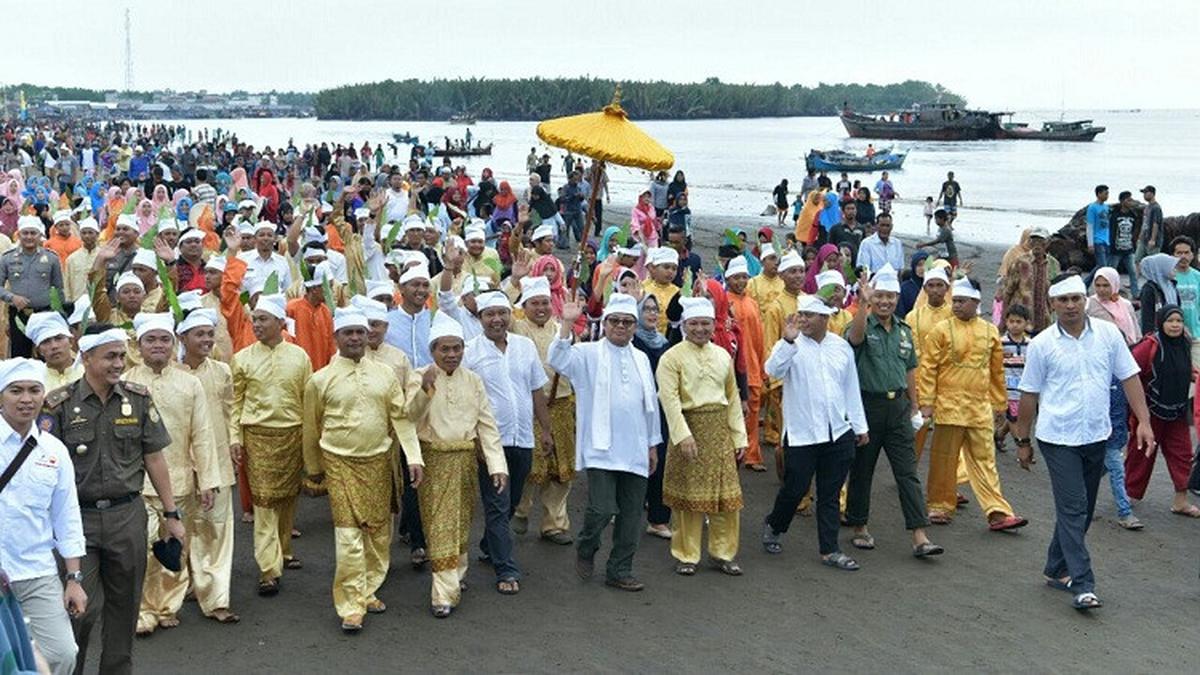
{"x":172,"y":514}
{"x":76,"y":576}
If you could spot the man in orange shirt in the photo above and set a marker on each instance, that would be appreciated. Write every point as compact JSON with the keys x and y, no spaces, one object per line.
{"x":313,"y":319}
{"x":63,"y":239}
{"x":745,"y":311}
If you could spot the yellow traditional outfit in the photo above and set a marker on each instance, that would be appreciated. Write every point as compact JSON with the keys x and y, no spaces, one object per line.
{"x":699,"y":396}
{"x":775,"y":311}
{"x":839,"y":321}
{"x":268,"y":407}
{"x":962,"y":377}
{"x":210,"y":554}
{"x":551,"y":473}
{"x":663,"y":294}
{"x":75,"y":272}
{"x":922,"y":320}
{"x":193,"y":465}
{"x":61,"y":378}
{"x":450,"y":422}
{"x":352,"y":412}
{"x":223,"y":346}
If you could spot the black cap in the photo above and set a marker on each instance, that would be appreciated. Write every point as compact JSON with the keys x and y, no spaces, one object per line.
{"x":1149,"y":188}
{"x":169,"y":552}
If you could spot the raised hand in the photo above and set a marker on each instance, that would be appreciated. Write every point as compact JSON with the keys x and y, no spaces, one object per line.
{"x":571,"y":312}
{"x":791,"y":327}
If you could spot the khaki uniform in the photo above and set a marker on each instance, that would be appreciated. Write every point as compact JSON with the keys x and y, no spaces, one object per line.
{"x":108,"y":440}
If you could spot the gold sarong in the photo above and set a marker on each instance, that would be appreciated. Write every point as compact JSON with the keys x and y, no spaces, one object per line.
{"x":709,"y":483}
{"x":274,"y":463}
{"x":559,"y":467}
{"x":447,"y":497}
{"x":361,"y":491}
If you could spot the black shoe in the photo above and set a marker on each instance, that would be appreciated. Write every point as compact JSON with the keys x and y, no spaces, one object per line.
{"x":625,"y":584}
{"x":585,"y":567}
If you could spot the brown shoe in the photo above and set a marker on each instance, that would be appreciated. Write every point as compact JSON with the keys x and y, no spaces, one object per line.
{"x":625,"y":584}
{"x":585,"y":567}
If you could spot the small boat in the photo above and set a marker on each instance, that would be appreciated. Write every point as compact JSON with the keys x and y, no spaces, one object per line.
{"x":462,"y":118}
{"x":1079,"y":130}
{"x":407,"y":138}
{"x":928,"y":122}
{"x":459,"y":151}
{"x":840,"y":160}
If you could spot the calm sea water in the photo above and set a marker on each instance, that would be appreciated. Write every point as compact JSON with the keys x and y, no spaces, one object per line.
{"x":732,"y":165}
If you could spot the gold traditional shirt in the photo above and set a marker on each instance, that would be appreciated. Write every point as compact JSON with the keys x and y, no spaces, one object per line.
{"x":61,"y":378}
{"x":268,"y":387}
{"x":922,"y":320}
{"x":542,"y":337}
{"x":962,"y":373}
{"x":349,"y":409}
{"x":691,"y":377}
{"x":458,"y":410}
{"x":393,"y":358}
{"x":191,"y":455}
{"x":75,"y":277}
{"x":217,"y":380}
{"x":663,"y":294}
{"x":223,"y":346}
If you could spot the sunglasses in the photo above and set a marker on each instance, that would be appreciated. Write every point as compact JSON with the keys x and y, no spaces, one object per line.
{"x":622,"y":323}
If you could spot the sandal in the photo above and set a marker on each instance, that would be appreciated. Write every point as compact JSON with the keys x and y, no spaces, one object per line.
{"x":727,"y":567}
{"x":662,"y":532}
{"x":376,"y":607}
{"x":939,"y":518}
{"x":1086,"y":601}
{"x":293,"y":564}
{"x":1191,"y":511}
{"x":441,"y":611}
{"x":560,"y":537}
{"x":1059,"y":584}
{"x":770,"y":540}
{"x":1007,"y":523}
{"x":927,"y":549}
{"x":223,"y":615}
{"x":685,"y":569}
{"x":508,"y":587}
{"x":863,"y":541}
{"x":268,"y":588}
{"x":841,"y":561}
{"x":352,"y":624}
{"x":418,"y":558}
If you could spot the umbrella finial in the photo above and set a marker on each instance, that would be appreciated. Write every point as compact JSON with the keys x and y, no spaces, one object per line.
{"x":616,"y":100}
{"x":615,"y":108}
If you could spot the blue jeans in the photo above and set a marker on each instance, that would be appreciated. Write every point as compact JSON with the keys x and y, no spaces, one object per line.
{"x":1101,"y":256}
{"x":1114,"y":449}
{"x":1075,"y":472}
{"x":1123,"y":262}
{"x":573,"y":224}
{"x":497,"y":542}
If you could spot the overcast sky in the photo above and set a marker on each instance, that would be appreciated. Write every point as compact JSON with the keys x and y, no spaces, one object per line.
{"x":1015,"y":54}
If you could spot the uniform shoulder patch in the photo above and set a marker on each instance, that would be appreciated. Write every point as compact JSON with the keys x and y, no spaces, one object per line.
{"x":57,"y":396}
{"x":135,"y":388}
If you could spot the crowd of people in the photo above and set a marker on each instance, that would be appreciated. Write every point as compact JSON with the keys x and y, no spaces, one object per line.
{"x":196,"y":319}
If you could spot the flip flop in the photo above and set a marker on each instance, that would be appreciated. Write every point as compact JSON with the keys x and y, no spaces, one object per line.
{"x":1086,"y":601}
{"x":1059,"y":584}
{"x":727,"y":567}
{"x":293,"y":564}
{"x":229,"y":616}
{"x":770,"y":540}
{"x":1189,"y":511}
{"x":863,"y":541}
{"x":939,"y":518}
{"x":268,"y":588}
{"x":840,"y":561}
{"x":927,"y":549}
{"x":513,"y":587}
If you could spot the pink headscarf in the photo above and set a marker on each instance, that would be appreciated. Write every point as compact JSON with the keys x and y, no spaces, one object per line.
{"x":160,"y":197}
{"x":818,"y":266}
{"x":239,"y":181}
{"x":145,"y":222}
{"x":558,"y":293}
{"x":1120,"y":308}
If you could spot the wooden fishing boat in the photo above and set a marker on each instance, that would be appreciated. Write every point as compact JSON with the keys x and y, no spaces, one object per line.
{"x":1078,"y":130}
{"x":407,"y":138}
{"x":459,"y":151}
{"x":462,"y":118}
{"x":927,"y":122}
{"x":840,"y":160}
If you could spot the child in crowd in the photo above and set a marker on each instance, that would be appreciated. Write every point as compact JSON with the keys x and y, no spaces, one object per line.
{"x":1015,"y":343}
{"x":928,"y":213}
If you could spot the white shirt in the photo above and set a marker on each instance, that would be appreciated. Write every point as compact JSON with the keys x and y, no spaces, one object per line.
{"x":1071,"y":377}
{"x":634,"y":429}
{"x":39,"y":509}
{"x":510,"y":378}
{"x":258,"y":269}
{"x":448,"y":303}
{"x":821,"y":398}
{"x":873,"y":253}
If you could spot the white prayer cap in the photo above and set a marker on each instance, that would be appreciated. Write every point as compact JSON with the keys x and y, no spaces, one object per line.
{"x":829,"y":277}
{"x":886,"y":279}
{"x":477,"y":222}
{"x":127,"y":220}
{"x":197,"y":318}
{"x":396,"y":258}
{"x":275,"y":305}
{"x":189,"y":300}
{"x":412,"y":222}
{"x":128,"y":279}
{"x":378,"y":288}
{"x":22,"y":370}
{"x":348,"y":317}
{"x":542,"y":232}
{"x":89,"y":342}
{"x":480,"y":284}
{"x":443,"y":326}
{"x":146,"y":322}
{"x":1072,"y":285}
{"x":813,"y":305}
{"x":190,"y":234}
{"x":697,"y":308}
{"x":737,"y":266}
{"x":62,"y":215}
{"x":326,"y":207}
{"x":766,"y":251}
{"x":320,"y":273}
{"x":216,"y":262}
{"x":620,"y":303}
{"x":42,"y":326}
{"x":534,"y":287}
{"x":83,"y":307}
{"x":89,"y":223}
{"x":313,"y":252}
{"x":145,"y":257}
{"x":663,"y":255}
{"x":312,"y":234}
{"x":491,"y":300}
{"x":475,"y":234}
{"x":455,"y":241}
{"x":936,"y":274}
{"x":374,"y":310}
{"x":30,"y":223}
{"x":964,"y":289}
{"x":246,"y":204}
{"x":631,"y":251}
{"x":362,"y":212}
{"x":415,"y":272}
{"x":244,"y":227}
{"x":264,"y":225}
{"x":789,"y":260}
{"x":168,"y":223}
